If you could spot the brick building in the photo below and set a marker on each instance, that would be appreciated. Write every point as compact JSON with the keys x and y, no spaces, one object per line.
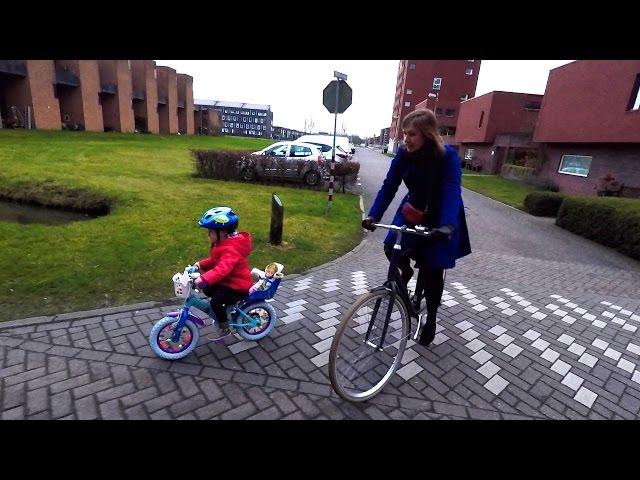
{"x":439,"y":85}
{"x":243,"y":119}
{"x":589,"y":125}
{"x":497,"y":128}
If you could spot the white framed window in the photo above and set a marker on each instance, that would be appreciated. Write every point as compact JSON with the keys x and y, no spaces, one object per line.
{"x":634,"y":101}
{"x":578,"y":165}
{"x":468,"y":154}
{"x":407,"y":104}
{"x":412,"y":66}
{"x":437,"y":82}
{"x":469,"y":71}
{"x":464,"y":97}
{"x":409,"y":91}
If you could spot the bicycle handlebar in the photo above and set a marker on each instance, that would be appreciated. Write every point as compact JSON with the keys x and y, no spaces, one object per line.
{"x":418,"y":230}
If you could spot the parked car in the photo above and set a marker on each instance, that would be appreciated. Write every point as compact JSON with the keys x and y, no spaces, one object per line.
{"x":327,"y":141}
{"x":353,"y":148}
{"x":310,"y":172}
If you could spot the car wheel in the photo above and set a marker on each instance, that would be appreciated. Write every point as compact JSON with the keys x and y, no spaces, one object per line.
{"x":311,"y":178}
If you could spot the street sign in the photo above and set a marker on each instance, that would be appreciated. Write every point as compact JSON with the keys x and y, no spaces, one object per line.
{"x":344,"y":96}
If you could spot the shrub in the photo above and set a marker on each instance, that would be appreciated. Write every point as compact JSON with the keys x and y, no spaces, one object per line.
{"x":219,"y":164}
{"x":614,"y":222}
{"x":543,"y":204}
{"x":347,"y":173}
{"x":608,"y":186}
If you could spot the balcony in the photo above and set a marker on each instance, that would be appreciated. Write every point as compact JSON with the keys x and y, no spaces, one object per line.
{"x":162,"y":100}
{"x":109,"y":88}
{"x":13,"y":67}
{"x":66,"y":77}
{"x":180,"y":103}
{"x":137,"y":95}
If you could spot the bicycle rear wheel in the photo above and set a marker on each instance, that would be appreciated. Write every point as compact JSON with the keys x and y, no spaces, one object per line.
{"x":363,"y":357}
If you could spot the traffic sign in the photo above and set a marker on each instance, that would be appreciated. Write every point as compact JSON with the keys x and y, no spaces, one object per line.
{"x":344,"y":96}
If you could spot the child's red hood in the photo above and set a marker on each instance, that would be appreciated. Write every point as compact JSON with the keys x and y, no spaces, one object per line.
{"x":241,"y":243}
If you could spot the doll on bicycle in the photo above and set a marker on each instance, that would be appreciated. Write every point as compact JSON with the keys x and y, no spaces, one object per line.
{"x":225,"y":275}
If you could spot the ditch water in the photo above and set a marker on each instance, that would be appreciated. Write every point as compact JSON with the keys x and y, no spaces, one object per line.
{"x":20,"y":213}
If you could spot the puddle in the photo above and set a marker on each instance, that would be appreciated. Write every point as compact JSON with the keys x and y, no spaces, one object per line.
{"x":20,"y":213}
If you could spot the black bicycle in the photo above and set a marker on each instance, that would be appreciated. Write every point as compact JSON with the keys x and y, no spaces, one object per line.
{"x":368,"y":345}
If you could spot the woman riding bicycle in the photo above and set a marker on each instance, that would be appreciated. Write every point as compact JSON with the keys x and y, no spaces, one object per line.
{"x":431,"y":171}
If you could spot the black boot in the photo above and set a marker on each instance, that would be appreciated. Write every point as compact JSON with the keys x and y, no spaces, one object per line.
{"x":428,"y":331}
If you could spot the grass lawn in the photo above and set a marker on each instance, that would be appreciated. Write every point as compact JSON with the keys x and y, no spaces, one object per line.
{"x":506,"y":191}
{"x":130,"y":255}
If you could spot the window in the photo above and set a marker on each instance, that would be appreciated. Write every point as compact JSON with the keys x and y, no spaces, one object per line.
{"x":226,"y":111}
{"x":244,"y":119}
{"x":634,"y":101}
{"x":575,"y":165}
{"x":235,"y":118}
{"x":469,"y":71}
{"x":450,"y":112}
{"x":409,"y":91}
{"x":407,"y":104}
{"x":438,"y":111}
{"x":470,"y":60}
{"x":468,"y":154}
{"x":532,"y":106}
{"x":437,"y":82}
{"x":481,"y":119}
{"x":464,"y":97}
{"x":237,"y":124}
{"x":412,"y":66}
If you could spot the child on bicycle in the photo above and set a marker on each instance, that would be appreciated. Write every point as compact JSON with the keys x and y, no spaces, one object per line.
{"x":225,"y":275}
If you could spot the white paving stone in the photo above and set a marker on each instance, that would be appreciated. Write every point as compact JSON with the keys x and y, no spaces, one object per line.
{"x":489,"y":369}
{"x":497,"y":330}
{"x":329,"y":306}
{"x":580,"y":311}
{"x":292,"y":317}
{"x":480,"y":308}
{"x":321,"y":360}
{"x":481,"y":356}
{"x":508,"y":312}
{"x":329,"y":314}
{"x":469,"y":296}
{"x":576,"y":348}
{"x":631,"y":328}
{"x":539,"y":315}
{"x":599,"y":324}
{"x":608,"y":314}
{"x":474,"y":301}
{"x":360,"y":292}
{"x":440,"y":338}
{"x":450,"y":303}
{"x":561,"y":367}
{"x":617,"y":307}
{"x":625,"y":364}
{"x":588,"y":316}
{"x":531,"y":334}
{"x":550,"y":355}
{"x":611,"y":353}
{"x":496,"y":299}
{"x":409,"y":355}
{"x":635,"y":317}
{"x":298,"y":289}
{"x":464,"y":325}
{"x":540,"y":344}
{"x":330,"y":289}
{"x":531,"y":309}
{"x":502,"y":305}
{"x":563,"y":300}
{"x":633,"y":348}
{"x":588,"y":359}
{"x":572,"y":381}
{"x":517,"y":298}
{"x":568,"y":319}
{"x":606,"y":303}
{"x":512,"y":350}
{"x":410,"y":370}
{"x":504,"y":339}
{"x":475,"y":345}
{"x":505,"y":289}
{"x":324,"y":345}
{"x":329,"y":323}
{"x":326,"y":333}
{"x":626,"y":312}
{"x":560,"y":313}
{"x":601,"y":344}
{"x":469,"y":335}
{"x":585,"y":397}
{"x":566,"y":339}
{"x":552,"y":306}
{"x":296,"y":303}
{"x":636,"y":376}
{"x":618,"y":320}
{"x":524,"y":303}
{"x":297,"y":308}
{"x":571,"y":305}
{"x":496,"y":384}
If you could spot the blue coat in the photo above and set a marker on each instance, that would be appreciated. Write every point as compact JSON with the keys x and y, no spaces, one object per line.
{"x":446,"y":207}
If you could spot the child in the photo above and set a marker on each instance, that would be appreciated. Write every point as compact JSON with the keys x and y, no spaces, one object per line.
{"x":225,"y":273}
{"x":271,"y":272}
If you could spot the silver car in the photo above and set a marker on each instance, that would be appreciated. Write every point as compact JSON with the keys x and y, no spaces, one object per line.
{"x":288,"y":166}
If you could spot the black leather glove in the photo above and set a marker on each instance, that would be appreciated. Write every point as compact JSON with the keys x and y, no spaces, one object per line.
{"x":368,"y":223}
{"x":444,"y":232}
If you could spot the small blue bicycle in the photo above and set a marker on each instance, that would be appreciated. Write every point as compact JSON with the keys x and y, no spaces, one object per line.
{"x":176,"y":335}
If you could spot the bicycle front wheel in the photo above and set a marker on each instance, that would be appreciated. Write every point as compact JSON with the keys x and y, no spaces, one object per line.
{"x":364,"y":355}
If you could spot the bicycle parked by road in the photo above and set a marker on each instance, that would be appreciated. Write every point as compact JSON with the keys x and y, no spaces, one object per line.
{"x":177,"y":333}
{"x":371,"y":338}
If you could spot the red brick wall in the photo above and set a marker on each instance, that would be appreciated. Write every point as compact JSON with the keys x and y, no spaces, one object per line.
{"x":586,"y":101}
{"x":143,"y":78}
{"x":89,"y":88}
{"x":125,"y":110}
{"x":168,"y":88}
{"x":185,"y":94}
{"x":621,"y":160}
{"x":46,"y":108}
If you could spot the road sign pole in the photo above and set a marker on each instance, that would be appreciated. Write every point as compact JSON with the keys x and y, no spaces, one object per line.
{"x":333,"y":152}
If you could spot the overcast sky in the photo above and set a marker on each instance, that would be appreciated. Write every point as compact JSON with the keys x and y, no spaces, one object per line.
{"x":293,"y":88}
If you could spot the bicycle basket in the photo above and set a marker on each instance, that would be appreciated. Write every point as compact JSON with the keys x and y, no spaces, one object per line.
{"x":182,"y":285}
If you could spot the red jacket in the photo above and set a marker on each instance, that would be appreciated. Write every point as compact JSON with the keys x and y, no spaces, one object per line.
{"x":227,"y":264}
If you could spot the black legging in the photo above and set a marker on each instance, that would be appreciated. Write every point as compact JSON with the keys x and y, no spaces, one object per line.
{"x":430,"y":282}
{"x":221,"y":298}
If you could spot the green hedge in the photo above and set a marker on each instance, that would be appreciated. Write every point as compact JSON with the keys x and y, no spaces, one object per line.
{"x":614,"y":222}
{"x":543,"y":204}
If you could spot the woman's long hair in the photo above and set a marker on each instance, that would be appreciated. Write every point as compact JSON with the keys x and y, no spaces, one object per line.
{"x":426,"y":123}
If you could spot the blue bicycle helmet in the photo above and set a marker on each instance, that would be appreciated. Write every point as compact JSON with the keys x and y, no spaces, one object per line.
{"x":218,"y":218}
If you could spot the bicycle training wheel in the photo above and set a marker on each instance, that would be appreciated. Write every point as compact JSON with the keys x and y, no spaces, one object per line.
{"x":363,"y":357}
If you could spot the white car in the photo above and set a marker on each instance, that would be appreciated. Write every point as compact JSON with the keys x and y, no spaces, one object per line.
{"x":311,"y":173}
{"x":343,"y":149}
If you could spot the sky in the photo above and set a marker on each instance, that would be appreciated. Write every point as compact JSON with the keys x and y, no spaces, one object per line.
{"x":294,"y":88}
